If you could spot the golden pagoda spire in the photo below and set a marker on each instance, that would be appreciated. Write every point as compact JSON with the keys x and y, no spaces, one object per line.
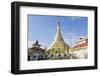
{"x":58,"y":42}
{"x":58,"y":36}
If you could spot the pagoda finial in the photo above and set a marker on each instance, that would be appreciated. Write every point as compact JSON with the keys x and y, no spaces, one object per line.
{"x":58,"y":23}
{"x":58,"y":26}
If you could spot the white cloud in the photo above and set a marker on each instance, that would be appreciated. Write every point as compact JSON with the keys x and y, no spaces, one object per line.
{"x":44,"y":44}
{"x":30,"y":43}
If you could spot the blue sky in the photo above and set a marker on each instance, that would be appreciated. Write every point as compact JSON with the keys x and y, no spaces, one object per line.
{"x":43,"y":29}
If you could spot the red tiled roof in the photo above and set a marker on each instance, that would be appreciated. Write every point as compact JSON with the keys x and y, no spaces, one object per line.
{"x":80,"y":45}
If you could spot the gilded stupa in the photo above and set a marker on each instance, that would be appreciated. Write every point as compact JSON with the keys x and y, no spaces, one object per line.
{"x":58,"y":43}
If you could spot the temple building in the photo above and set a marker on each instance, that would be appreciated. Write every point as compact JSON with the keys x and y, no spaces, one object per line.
{"x":35,"y":52}
{"x":58,"y":48}
{"x":80,"y":49}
